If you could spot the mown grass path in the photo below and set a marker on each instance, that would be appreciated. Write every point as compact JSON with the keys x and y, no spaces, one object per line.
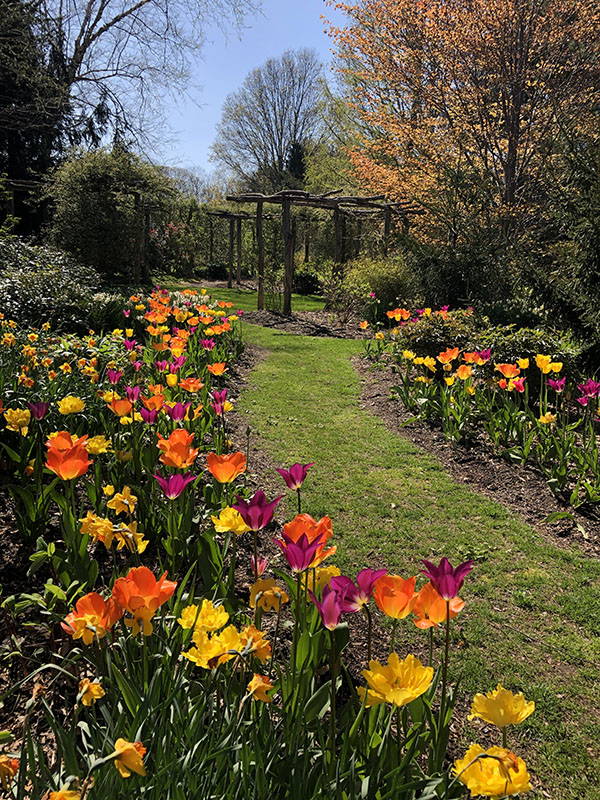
{"x":532,"y":620}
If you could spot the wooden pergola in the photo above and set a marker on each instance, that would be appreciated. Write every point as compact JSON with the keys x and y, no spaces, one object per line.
{"x":340,"y":204}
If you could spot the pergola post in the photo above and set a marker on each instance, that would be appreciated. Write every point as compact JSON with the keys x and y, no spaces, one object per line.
{"x":337,"y":224}
{"x":387,"y":226}
{"x":260,"y":246}
{"x":231,"y":237}
{"x":288,"y":256}
{"x":238,"y":277}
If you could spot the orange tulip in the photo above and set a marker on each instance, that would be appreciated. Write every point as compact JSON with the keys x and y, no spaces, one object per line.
{"x":155,"y":388}
{"x":177,"y":450}
{"x":120,"y":407}
{"x":141,"y":595}
{"x":92,"y":618}
{"x":67,"y":458}
{"x":464,"y":372}
{"x":471,"y":358}
{"x":430,"y":608}
{"x":304,"y":523}
{"x":154,"y":403}
{"x":394,"y":595}
{"x":191,"y":384}
{"x":226,"y":468}
{"x":508,"y":370}
{"x":216,"y":369}
{"x":449,"y":354}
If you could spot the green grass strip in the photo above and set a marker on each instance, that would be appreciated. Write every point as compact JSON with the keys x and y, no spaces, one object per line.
{"x":532,"y":620}
{"x":245,"y":299}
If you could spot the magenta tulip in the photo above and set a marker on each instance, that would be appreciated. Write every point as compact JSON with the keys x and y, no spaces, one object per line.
{"x":178,"y":411}
{"x":38,"y":410}
{"x":174,"y":485}
{"x":445,"y":579}
{"x":300,"y":554}
{"x":329,"y":608}
{"x":353,"y":596}
{"x":294,"y":477}
{"x":256,"y":512}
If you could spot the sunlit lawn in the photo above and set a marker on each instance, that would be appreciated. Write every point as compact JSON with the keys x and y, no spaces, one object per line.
{"x":245,"y":299}
{"x":532,"y":620}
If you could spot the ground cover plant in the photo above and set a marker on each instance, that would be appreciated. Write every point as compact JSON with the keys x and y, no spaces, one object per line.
{"x":532,"y":404}
{"x":155,"y":671}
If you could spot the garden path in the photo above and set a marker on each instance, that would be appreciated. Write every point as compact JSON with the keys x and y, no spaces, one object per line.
{"x":532,"y":620}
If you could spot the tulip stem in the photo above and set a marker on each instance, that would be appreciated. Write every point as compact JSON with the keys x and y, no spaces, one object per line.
{"x":393,"y":639}
{"x":332,"y":721}
{"x":430,"y":647}
{"x":255,"y":542}
{"x":445,"y":665}
{"x":299,"y":505}
{"x":370,"y":631}
{"x":296,"y":621}
{"x":504,"y":738}
{"x":276,"y":638}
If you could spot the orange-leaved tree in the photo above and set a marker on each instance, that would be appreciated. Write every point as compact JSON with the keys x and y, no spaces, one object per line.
{"x":466,"y":104}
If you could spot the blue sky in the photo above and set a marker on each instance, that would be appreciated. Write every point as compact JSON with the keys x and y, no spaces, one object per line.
{"x":282,"y":25}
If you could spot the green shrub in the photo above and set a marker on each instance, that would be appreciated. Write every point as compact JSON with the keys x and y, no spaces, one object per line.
{"x":390,"y":279}
{"x":307,"y":279}
{"x":470,"y":331}
{"x":41,"y":284}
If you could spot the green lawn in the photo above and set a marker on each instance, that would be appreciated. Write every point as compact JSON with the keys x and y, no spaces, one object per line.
{"x":245,"y":299}
{"x":532,"y":620}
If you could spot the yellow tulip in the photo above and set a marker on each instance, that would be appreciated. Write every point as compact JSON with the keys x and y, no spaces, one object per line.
{"x":496,"y":772}
{"x":398,"y":683}
{"x":501,"y":707}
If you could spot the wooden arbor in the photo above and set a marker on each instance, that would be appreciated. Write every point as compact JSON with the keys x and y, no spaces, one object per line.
{"x":235,"y":233}
{"x":334,"y":201}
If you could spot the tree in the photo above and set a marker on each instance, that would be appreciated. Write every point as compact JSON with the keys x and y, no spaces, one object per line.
{"x":104,"y":204}
{"x":33,"y":103}
{"x":271,"y":123}
{"x":467,"y":102}
{"x":109,"y":63}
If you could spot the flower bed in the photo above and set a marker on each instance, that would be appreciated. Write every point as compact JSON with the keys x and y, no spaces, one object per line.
{"x":529,"y":410}
{"x":163,"y":671}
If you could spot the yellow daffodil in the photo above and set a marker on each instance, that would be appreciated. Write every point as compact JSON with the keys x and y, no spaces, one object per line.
{"x":108,"y":490}
{"x":501,"y":707}
{"x":123,"y":501}
{"x":496,"y":772}
{"x":253,"y":641}
{"x":258,"y":688}
{"x":429,"y":362}
{"x":408,"y":354}
{"x":90,"y":692}
{"x":127,"y":535}
{"x":398,"y":683}
{"x":270,"y":596}
{"x":128,"y":757}
{"x":8,"y":769}
{"x":380,"y":335}
{"x":65,"y":794}
{"x":548,"y":419}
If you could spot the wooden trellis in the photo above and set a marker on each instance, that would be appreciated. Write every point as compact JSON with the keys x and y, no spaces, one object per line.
{"x":333,"y":201}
